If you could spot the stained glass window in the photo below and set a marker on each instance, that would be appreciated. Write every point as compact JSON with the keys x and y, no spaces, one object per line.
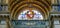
{"x":30,"y":15}
{"x":30,"y":24}
{"x":56,"y":8}
{"x":2,"y":22}
{"x":0,"y":8}
{"x":5,"y":8}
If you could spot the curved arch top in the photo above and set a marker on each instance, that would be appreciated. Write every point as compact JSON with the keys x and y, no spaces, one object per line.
{"x":17,"y":5}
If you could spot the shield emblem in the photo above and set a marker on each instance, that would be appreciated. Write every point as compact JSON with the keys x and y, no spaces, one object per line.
{"x":30,"y":14}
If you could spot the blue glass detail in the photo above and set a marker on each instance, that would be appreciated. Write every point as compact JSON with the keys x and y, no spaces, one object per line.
{"x":0,"y":8}
{"x":58,"y":8}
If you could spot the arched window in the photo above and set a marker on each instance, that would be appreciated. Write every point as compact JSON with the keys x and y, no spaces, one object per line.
{"x":30,"y":15}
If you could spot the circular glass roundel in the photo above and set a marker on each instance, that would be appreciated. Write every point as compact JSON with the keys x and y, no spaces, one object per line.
{"x":30,"y":15}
